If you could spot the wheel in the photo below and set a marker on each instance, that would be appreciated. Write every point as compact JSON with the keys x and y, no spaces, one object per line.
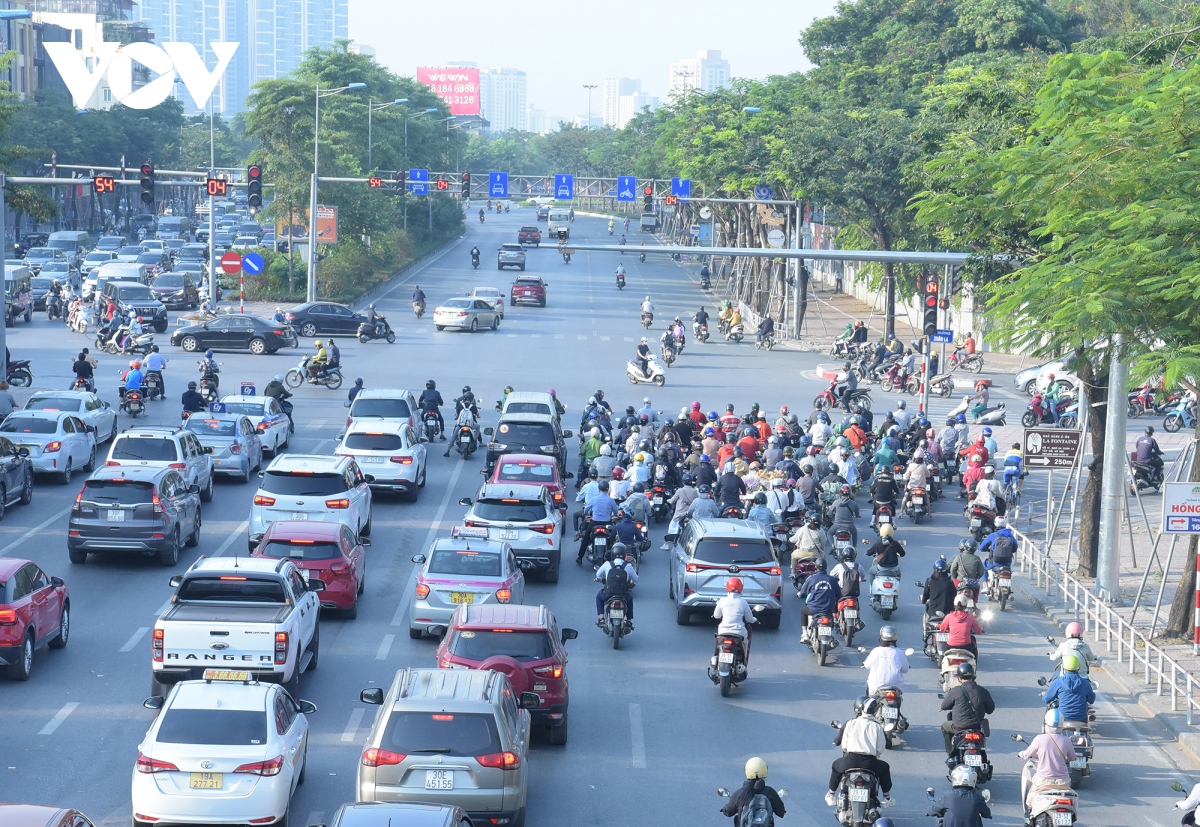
{"x":726,"y":685}
{"x":495,"y":322}
{"x":821,"y":403}
{"x":474,"y":325}
{"x":886,"y":614}
{"x":424,"y":475}
{"x":1003,"y":600}
{"x":170,"y":557}
{"x":1028,"y":419}
{"x":65,"y":477}
{"x":364,"y":338}
{"x":77,"y":556}
{"x":616,"y":636}
{"x":1136,"y":408}
{"x":257,"y":346}
{"x":558,"y":734}
{"x":440,"y":327}
{"x":1068,"y":421}
{"x":886,"y":384}
{"x":333,"y":381}
{"x":660,"y":380}
{"x":64,"y":628}
{"x":670,"y":588}
{"x":206,"y":493}
{"x":1172,"y":423}
{"x":821,"y":653}
{"x":1031,"y":387}
{"x":390,"y":338}
{"x":294,"y":378}
{"x":308,"y":330}
{"x":683,"y":616}
{"x":189,"y":344}
{"x":977,"y":365}
{"x":315,"y":646}
{"x":20,"y":670}
{"x":303,"y":766}
{"x":415,"y":634}
{"x":366,"y":530}
{"x":113,"y":435}
{"x":194,"y":537}
{"x":542,"y":303}
{"x":27,"y":489}
{"x":551,"y":575}
{"x":849,"y":637}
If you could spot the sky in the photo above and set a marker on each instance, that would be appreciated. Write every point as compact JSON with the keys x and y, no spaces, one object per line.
{"x":563,"y":44}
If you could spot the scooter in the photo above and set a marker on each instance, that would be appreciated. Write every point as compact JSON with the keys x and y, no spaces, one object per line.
{"x":430,"y":425}
{"x":986,"y":795}
{"x":1037,"y":411}
{"x":1049,"y":806}
{"x":968,"y":588}
{"x":882,"y":516}
{"x":735,"y":333}
{"x":802,"y":569}
{"x":616,"y":623}
{"x":915,"y":505}
{"x":842,"y":544}
{"x":990,"y":416}
{"x":620,"y":281}
{"x":820,"y":636}
{"x":208,"y":390}
{"x":1184,"y":416}
{"x":330,"y":377}
{"x":647,"y":319}
{"x":367,"y":332}
{"x":641,"y":257}
{"x":860,"y":399}
{"x":848,"y":620}
{"x":969,"y":749}
{"x":418,"y":309}
{"x":475,"y":262}
{"x":705,"y":282}
{"x":53,"y":308}
{"x":153,"y":385}
{"x":668,"y":356}
{"x":1145,"y":475}
{"x":949,"y":664}
{"x":133,"y":403}
{"x":656,"y":374}
{"x":942,"y":385}
{"x":700,"y":331}
{"x":885,"y":592}
{"x":999,"y":585}
{"x":464,"y":441}
{"x":598,"y":550}
{"x":727,"y":668}
{"x":659,"y":508}
{"x":981,"y":520}
{"x":19,"y":374}
{"x":934,"y":639}
{"x":1080,"y":733}
{"x":858,"y":801}
{"x":757,"y":812}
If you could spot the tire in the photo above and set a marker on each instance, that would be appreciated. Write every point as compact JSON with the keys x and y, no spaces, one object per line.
{"x":308,"y":330}
{"x":193,"y":539}
{"x":1029,"y":419}
{"x":439,"y":327}
{"x":390,"y":338}
{"x":21,"y":670}
{"x":726,"y":685}
{"x":170,"y":557}
{"x":1068,"y":421}
{"x":64,"y":628}
{"x":1003,"y":600}
{"x":886,"y":384}
{"x":257,"y":346}
{"x":77,"y":556}
{"x":65,"y":477}
{"x":366,"y":530}
{"x":616,"y":638}
{"x":363,"y":339}
{"x":113,"y":435}
{"x":415,"y":634}
{"x":977,"y":365}
{"x":849,"y":638}
{"x":551,"y":575}
{"x":303,"y":767}
{"x":558,"y":734}
{"x":27,"y":490}
{"x":206,"y":493}
{"x":542,"y":303}
{"x":293,"y":378}
{"x":886,"y":614}
{"x":315,"y":645}
{"x":683,"y":616}
{"x":1136,"y":408}
{"x":189,"y":344}
{"x":660,"y":380}
{"x":822,"y":652}
{"x":474,"y":325}
{"x":3,"y":501}
{"x":495,"y":322}
{"x":1172,"y":423}
{"x":821,"y":403}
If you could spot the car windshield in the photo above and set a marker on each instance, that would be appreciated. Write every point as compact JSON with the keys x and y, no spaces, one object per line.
{"x":147,"y":448}
{"x":513,"y":248}
{"x":374,"y":442}
{"x":382,"y":408}
{"x":40,"y":252}
{"x":303,"y":485}
{"x":29,"y":425}
{"x":531,"y":472}
{"x":510,"y":510}
{"x":465,"y":562}
{"x":247,"y":408}
{"x":131,"y":251}
{"x":215,"y":727}
{"x":149,"y":258}
{"x":458,"y":303}
{"x":168,"y":281}
{"x":98,"y":257}
{"x":211,"y":427}
{"x":300,"y":549}
{"x":517,"y":644}
{"x":41,"y":282}
{"x":525,"y":433}
{"x":53,"y":403}
{"x":528,"y":407}
{"x":135,"y":294}
{"x":120,"y":492}
{"x":232,"y":589}
{"x":56,"y":267}
{"x":427,"y":733}
{"x":725,"y":552}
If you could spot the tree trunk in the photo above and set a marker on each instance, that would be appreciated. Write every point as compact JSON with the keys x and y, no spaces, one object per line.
{"x":291,"y":255}
{"x":1095,"y":390}
{"x":1181,"y":620}
{"x":802,"y":277}
{"x":889,"y":310}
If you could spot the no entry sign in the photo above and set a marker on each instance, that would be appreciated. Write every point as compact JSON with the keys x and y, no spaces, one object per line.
{"x":231,"y":262}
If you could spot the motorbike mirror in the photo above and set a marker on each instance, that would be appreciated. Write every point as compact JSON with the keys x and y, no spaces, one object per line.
{"x":760,"y":608}
{"x":1050,"y":639}
{"x":987,"y":796}
{"x":721,"y":791}
{"x":835,"y":724}
{"x":345,"y":404}
{"x":929,"y":793}
{"x":1176,"y":786}
{"x":1018,"y":737}
{"x":783,"y":793}
{"x":862,"y":650}
{"x":920,"y":584}
{"x":941,"y":696}
{"x":909,"y":651}
{"x":1041,"y":681}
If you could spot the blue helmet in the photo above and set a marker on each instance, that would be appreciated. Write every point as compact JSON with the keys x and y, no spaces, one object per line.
{"x":883,"y":822}
{"x":704,"y":458}
{"x":941,"y":565}
{"x":987,"y":431}
{"x":208,"y":353}
{"x":961,"y":418}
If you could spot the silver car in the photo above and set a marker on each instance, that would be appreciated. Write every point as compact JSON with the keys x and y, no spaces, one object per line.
{"x":465,"y":568}
{"x":59,"y":443}
{"x":466,"y":313}
{"x":237,"y":448}
{"x":510,"y":255}
{"x":525,"y":516}
{"x":708,"y":552}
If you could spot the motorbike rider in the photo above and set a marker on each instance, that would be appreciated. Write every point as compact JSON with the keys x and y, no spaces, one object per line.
{"x":862,"y":734}
{"x":1075,"y":645}
{"x":730,"y":487}
{"x":1073,"y":692}
{"x":621,"y":271}
{"x":638,"y":504}
{"x":1052,"y":751}
{"x":886,"y":665}
{"x":600,"y":509}
{"x":766,"y":328}
{"x":680,"y":502}
{"x":861,"y":745}
{"x":603,"y":464}
{"x":618,"y":577}
{"x":377,"y":321}
{"x":847,"y":383}
{"x":626,"y":528}
{"x":1148,"y":452}
{"x":884,"y":488}
{"x":735,"y":317}
{"x":356,"y":390}
{"x":648,"y":307}
{"x":468,"y":417}
{"x":611,"y":225}
{"x":1189,"y":805}
{"x":700,"y":319}
{"x":939,"y":592}
{"x":481,"y":214}
{"x":885,"y":554}
{"x":642,"y":357}
{"x":1000,"y":547}
{"x":704,"y":505}
{"x":968,"y":704}
{"x":755,"y":784}
{"x":475,"y":253}
{"x":820,"y":595}
{"x":967,"y":564}
{"x":845,"y":512}
{"x":667,"y":342}
{"x":276,"y":390}
{"x":82,"y":369}
{"x":431,"y":400}
{"x":319,"y":361}
{"x":916,"y":475}
{"x":134,"y":378}
{"x":761,"y":513}
{"x":210,"y":370}
{"x":735,"y":617}
{"x":808,"y":541}
{"x":156,"y":364}
{"x":962,"y":626}
{"x":849,"y":574}
{"x":192,"y":401}
{"x":963,"y":806}
{"x":418,"y":296}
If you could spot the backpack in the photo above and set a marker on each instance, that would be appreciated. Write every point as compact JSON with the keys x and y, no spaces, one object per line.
{"x":850,"y":589}
{"x":617,"y":580}
{"x":1003,"y":549}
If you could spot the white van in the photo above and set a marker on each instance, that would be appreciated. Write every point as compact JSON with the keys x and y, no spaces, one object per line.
{"x":114,"y":271}
{"x":73,"y":243}
{"x":560,"y":219}
{"x":173,"y":226}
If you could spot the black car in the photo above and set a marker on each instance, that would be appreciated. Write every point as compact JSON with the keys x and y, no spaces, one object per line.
{"x":527,"y":433}
{"x":16,"y":475}
{"x":312,"y":318}
{"x":137,"y":299}
{"x":233,"y":332}
{"x":39,"y":286}
{"x":176,"y":290}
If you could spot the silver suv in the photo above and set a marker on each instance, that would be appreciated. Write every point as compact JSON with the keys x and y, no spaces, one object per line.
{"x":510,"y":255}
{"x":524,"y":516}
{"x":708,"y":553}
{"x":450,"y":736}
{"x":165,"y":448}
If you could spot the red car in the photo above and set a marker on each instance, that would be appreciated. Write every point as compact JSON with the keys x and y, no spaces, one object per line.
{"x":522,"y":642}
{"x":34,"y":609}
{"x":531,"y":469}
{"x":328,"y":552}
{"x":529,"y":235}
{"x":528,"y":290}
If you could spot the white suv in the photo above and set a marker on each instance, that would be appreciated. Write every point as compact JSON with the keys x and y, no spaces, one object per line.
{"x":383,"y":404}
{"x":165,"y":448}
{"x":311,"y":487}
{"x":525,"y":517}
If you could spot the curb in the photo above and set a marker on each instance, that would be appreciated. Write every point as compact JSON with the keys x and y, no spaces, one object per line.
{"x":401,"y":275}
{"x":827,"y":371}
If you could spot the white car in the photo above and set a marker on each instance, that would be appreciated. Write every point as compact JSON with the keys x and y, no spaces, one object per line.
{"x":524,"y":516}
{"x":86,"y":405}
{"x":1065,"y":380}
{"x":272,"y":423}
{"x":165,"y":448}
{"x":375,"y":405}
{"x":310,"y":487}
{"x":491,"y":295}
{"x":223,"y":750}
{"x":59,"y":443}
{"x":390,"y":452}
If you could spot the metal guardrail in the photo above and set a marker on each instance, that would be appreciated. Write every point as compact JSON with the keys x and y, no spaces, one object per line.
{"x":1108,"y":627}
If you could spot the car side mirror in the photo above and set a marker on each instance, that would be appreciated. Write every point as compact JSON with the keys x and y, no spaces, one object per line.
{"x":530,"y":700}
{"x":316,"y":586}
{"x":307,"y":707}
{"x":419,"y":559}
{"x":175,"y":581}
{"x":568,"y":634}
{"x":465,"y":501}
{"x":338,"y":437}
{"x":346,"y":404}
{"x":488,"y":431}
{"x":372,"y":696}
{"x":57,"y":581}
{"x":195,"y":489}
{"x":1041,"y":681}
{"x":154,"y":702}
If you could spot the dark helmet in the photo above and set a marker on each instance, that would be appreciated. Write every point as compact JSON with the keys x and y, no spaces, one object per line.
{"x":466,"y":390}
{"x":358,"y":381}
{"x":859,"y":702}
{"x":599,"y":394}
{"x":820,"y":563}
{"x":729,"y":407}
{"x":940,"y":566}
{"x":638,"y":488}
{"x":603,"y":485}
{"x":431,"y":385}
{"x":687,"y":479}
{"x":630,"y":410}
{"x":191,"y":386}
{"x":1150,"y":431}
{"x":966,"y":671}
{"x":154,"y":349}
{"x":705,"y":488}
{"x":760,"y":498}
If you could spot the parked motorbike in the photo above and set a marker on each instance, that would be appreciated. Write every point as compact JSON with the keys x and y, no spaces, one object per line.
{"x":757,"y":812}
{"x":616,"y":623}
{"x":656,"y":374}
{"x":1049,"y":806}
{"x":990,"y":416}
{"x":330,"y":377}
{"x":19,"y":373}
{"x":464,"y":441}
{"x":999,"y":585}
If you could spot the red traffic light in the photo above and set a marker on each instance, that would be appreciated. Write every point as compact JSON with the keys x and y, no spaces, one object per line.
{"x":254,"y":172}
{"x":147,"y":169}
{"x":466,"y":177}
{"x":648,"y":190}
{"x":931,"y":301}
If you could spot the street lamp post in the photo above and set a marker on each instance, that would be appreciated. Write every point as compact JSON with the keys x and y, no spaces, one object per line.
{"x":589,"y":87}
{"x":404,"y":191}
{"x":312,"y":203}
{"x":371,"y":109}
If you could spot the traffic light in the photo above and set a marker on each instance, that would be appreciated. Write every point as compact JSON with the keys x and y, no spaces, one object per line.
{"x":147,"y":182}
{"x":103,"y":183}
{"x":466,"y":185}
{"x":401,"y":179}
{"x":254,"y":186}
{"x":648,"y":198}
{"x":929,"y":326}
{"x":442,"y":184}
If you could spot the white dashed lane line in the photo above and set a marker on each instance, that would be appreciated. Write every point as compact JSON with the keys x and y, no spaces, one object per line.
{"x":385,"y":647}
{"x":352,"y":726}
{"x":57,"y":720}
{"x":133,"y":641}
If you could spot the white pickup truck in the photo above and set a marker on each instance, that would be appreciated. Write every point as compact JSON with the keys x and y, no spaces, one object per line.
{"x":255,"y":614}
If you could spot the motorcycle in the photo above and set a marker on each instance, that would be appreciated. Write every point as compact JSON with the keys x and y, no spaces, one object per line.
{"x":700,"y":331}
{"x":208,"y":389}
{"x":1049,"y":806}
{"x":735,"y":333}
{"x":430,"y":425}
{"x":616,"y":624}
{"x":767,"y":342}
{"x":368,"y":331}
{"x":647,"y":319}
{"x":464,"y":441}
{"x":842,"y":544}
{"x":890,"y":699}
{"x":1145,"y":475}
{"x":802,"y":569}
{"x":969,"y":749}
{"x":882,"y":516}
{"x":475,"y":262}
{"x":727,"y":668}
{"x":1140,"y":401}
{"x":942,"y":385}
{"x":481,"y":216}
{"x":1037,"y":412}
{"x":934,"y":639}
{"x":848,"y":621}
{"x":860,"y":399}
{"x":119,"y":342}
{"x":1080,"y":733}
{"x":1184,"y":416}
{"x":999,"y":585}
{"x":132,"y":403}
{"x":330,"y":377}
{"x":989,"y":416}
{"x":53,"y":308}
{"x":981,"y":520}
{"x":915,"y":506}
{"x":641,"y":257}
{"x":621,"y":281}
{"x":598,"y":550}
{"x":418,"y":309}
{"x":660,"y":509}
{"x":966,"y":361}
{"x":858,"y":800}
{"x":19,"y":373}
{"x":153,"y":385}
{"x":820,"y":636}
{"x":948,"y":666}
{"x":566,"y":258}
{"x":757,"y":812}
{"x":636,"y":376}
{"x":705,"y":283}
{"x":968,"y":587}
{"x":885,"y":592}
{"x":668,"y":356}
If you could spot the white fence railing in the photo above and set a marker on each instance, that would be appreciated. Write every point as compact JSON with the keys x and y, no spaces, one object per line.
{"x":1106,"y":626}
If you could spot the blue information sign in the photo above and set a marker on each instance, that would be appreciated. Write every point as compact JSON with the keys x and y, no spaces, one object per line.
{"x":216,"y":407}
{"x":626,"y":188}
{"x":943,"y":337}
{"x":253,"y":263}
{"x":681,"y":187}
{"x":418,"y":181}
{"x":498,"y":185}
{"x":564,"y":187}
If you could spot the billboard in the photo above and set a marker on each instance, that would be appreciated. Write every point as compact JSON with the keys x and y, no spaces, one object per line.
{"x":458,"y":88}
{"x":1181,"y":508}
{"x":327,"y":224}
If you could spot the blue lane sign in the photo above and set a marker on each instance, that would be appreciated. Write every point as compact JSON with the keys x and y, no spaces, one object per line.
{"x":681,"y":187}
{"x":943,"y":337}
{"x":498,"y":185}
{"x":564,"y":187}
{"x":626,"y":188}
{"x":253,"y":263}
{"x":418,"y":181}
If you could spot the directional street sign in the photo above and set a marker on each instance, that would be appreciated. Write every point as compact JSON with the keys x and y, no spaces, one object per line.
{"x":231,"y":262}
{"x":1050,"y":448}
{"x":498,"y":185}
{"x":1181,"y":508}
{"x":564,"y":187}
{"x":943,"y":337}
{"x":681,"y":187}
{"x":626,"y":188}
{"x":763,"y":193}
{"x":253,"y":263}
{"x":418,"y":181}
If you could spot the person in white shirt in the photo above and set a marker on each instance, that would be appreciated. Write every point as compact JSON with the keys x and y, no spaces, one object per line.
{"x":984,"y":496}
{"x":887,"y":664}
{"x":619,"y":488}
{"x":1189,"y":805}
{"x":915,"y":476}
{"x":466,"y":418}
{"x":902,"y":416}
{"x":647,"y":306}
{"x":734,"y":613}
{"x":863,"y":735}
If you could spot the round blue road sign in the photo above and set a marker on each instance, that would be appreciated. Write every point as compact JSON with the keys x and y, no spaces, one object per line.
{"x":253,"y":263}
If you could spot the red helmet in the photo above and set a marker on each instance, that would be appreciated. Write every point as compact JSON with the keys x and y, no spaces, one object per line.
{"x":734,"y":584}
{"x":783,"y":410}
{"x":618,"y":472}
{"x":1049,"y":375}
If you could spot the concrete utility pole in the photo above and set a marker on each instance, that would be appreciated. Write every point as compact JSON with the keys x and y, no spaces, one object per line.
{"x":1108,"y":560}
{"x":589,"y":87}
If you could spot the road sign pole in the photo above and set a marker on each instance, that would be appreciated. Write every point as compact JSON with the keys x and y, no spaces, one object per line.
{"x":7,"y":249}
{"x":1108,"y":560}
{"x":925,"y":377}
{"x":242,"y":291}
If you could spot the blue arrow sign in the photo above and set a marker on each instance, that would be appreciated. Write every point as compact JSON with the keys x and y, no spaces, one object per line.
{"x":416,"y":175}
{"x":253,"y":263}
{"x":418,"y":181}
{"x":564,"y":187}
{"x":681,"y":187}
{"x":498,"y":185}
{"x":626,"y":188}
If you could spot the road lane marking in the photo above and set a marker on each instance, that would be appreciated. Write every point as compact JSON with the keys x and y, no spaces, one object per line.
{"x":385,"y":647}
{"x":606,"y":338}
{"x":158,"y":612}
{"x":402,"y":609}
{"x":35,"y":530}
{"x":629,"y":338}
{"x":559,"y":336}
{"x":351,"y":730}
{"x":315,"y":816}
{"x":237,"y":532}
{"x":317,"y":448}
{"x":639,"y":738}
{"x":535,"y":335}
{"x":57,"y":720}
{"x":512,"y":335}
{"x":133,"y":641}
{"x":581,"y":337}
{"x":316,"y":425}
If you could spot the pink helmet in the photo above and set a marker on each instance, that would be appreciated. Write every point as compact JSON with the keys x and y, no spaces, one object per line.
{"x":1074,"y":630}
{"x":550,"y":391}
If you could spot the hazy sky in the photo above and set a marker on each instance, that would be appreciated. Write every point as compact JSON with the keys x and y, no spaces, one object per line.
{"x":563,"y":44}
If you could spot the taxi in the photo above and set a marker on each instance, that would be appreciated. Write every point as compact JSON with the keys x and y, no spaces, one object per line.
{"x":223,"y":750}
{"x":464,"y":569}
{"x":273,"y":426}
{"x":237,"y":447}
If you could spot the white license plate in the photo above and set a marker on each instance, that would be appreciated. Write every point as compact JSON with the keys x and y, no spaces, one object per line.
{"x":973,"y":759}
{"x":850,"y":614}
{"x":116,"y":515}
{"x":658,"y":500}
{"x":918,"y":500}
{"x":372,"y":460}
{"x":725,"y":657}
{"x":439,"y":779}
{"x":941,"y":637}
{"x":600,"y":542}
{"x":884,"y":518}
{"x":887,"y":602}
{"x":463,"y":438}
{"x":824,"y":631}
{"x":616,"y":614}
{"x":299,"y":515}
{"x":1061,"y":819}
{"x":976,"y":523}
{"x":860,"y":794}
{"x":508,"y":534}
{"x":891,"y":712}
{"x":1079,"y":764}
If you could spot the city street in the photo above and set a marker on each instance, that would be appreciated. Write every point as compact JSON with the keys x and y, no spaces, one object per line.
{"x":651,"y":738}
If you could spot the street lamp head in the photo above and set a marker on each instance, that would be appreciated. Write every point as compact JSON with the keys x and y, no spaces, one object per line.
{"x":751,"y":110}
{"x":357,"y":86}
{"x":432,"y":111}
{"x":400,"y":100}
{"x":451,"y":117}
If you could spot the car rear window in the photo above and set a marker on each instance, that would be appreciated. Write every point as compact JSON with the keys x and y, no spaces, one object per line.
{"x":303,"y":485}
{"x":465,"y":562}
{"x":119,"y":492}
{"x":437,"y":733}
{"x":136,"y":294}
{"x":525,"y":433}
{"x":528,"y":408}
{"x":211,"y":427}
{"x":519,"y":645}
{"x":217,"y":727}
{"x":232,"y":589}
{"x":511,"y":510}
{"x":53,"y":403}
{"x":531,"y":472}
{"x":148,"y":448}
{"x":246,"y":408}
{"x":747,"y":552}
{"x":457,"y":303}
{"x":41,"y":282}
{"x":168,"y":281}
{"x":301,"y":549}
{"x":29,"y":425}
{"x":383,"y":408}
{"x":374,"y":442}
{"x":529,"y":283}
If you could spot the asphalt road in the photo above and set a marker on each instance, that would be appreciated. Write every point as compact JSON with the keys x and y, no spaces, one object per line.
{"x":651,"y":738}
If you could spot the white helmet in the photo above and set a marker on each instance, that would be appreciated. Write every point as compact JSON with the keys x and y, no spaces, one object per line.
{"x":594,"y":432}
{"x":605,"y":451}
{"x":647,"y":298}
{"x":962,"y":776}
{"x":591,"y":400}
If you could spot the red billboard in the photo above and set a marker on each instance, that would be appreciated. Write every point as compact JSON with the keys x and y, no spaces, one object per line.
{"x":459,"y":88}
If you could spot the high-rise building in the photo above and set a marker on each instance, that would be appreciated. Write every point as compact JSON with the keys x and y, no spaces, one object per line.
{"x":706,"y":72}
{"x":614,"y":90}
{"x":274,"y":35}
{"x":630,"y":106}
{"x":502,"y":99}
{"x":536,"y":120}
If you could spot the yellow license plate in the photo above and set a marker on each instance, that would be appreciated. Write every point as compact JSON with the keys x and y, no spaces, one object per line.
{"x":206,"y":781}
{"x":462,"y":597}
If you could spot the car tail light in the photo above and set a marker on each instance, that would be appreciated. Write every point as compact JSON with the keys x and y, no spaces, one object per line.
{"x":548,"y":528}
{"x":235,"y":448}
{"x":290,"y":316}
{"x":402,"y":460}
{"x":473,"y":524}
{"x":972,"y":736}
{"x":112,"y":462}
{"x":773,"y":570}
{"x":262,"y":426}
{"x":156,"y":645}
{"x":422,"y":590}
{"x":340,"y":567}
{"x":343,"y":502}
{"x":148,"y":765}
{"x":553,"y":671}
{"x":500,"y":760}
{"x":502,"y":595}
{"x":375,"y":757}
{"x":692,"y":568}
{"x":462,"y":313}
{"x":269,"y":767}
{"x":281,"y":647}
{"x":8,"y":617}
{"x":259,"y":499}
{"x":78,"y":500}
{"x":178,"y":466}
{"x":158,"y":506}
{"x":52,"y":448}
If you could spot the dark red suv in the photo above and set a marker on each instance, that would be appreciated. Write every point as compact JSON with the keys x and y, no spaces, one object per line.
{"x":522,"y":642}
{"x":34,"y":610}
{"x":530,"y":290}
{"x":529,"y":235}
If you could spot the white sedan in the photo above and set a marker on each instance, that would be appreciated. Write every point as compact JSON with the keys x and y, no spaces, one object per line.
{"x":224,"y":750}
{"x":86,"y":405}
{"x":390,"y":452}
{"x":269,"y":420}
{"x":59,"y":443}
